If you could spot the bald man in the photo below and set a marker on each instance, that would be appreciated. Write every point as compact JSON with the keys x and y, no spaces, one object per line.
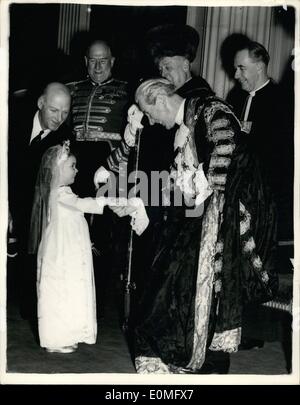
{"x":54,"y":106}
{"x":98,"y":116}
{"x":29,"y":137}
{"x":40,"y":126}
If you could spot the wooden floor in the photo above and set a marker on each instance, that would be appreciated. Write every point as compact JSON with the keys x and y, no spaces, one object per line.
{"x":111,"y":357}
{"x":111,"y":354}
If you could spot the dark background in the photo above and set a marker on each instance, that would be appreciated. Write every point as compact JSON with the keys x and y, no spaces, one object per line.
{"x":35,"y":59}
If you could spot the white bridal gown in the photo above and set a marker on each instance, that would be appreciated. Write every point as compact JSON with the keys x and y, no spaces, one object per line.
{"x":65,"y":282}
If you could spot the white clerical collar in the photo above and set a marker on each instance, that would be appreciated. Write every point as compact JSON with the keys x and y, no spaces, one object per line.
{"x":259,"y":88}
{"x":180,"y":113}
{"x":36,"y":129}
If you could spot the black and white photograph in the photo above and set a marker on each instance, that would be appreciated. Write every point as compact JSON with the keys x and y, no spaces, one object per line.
{"x":149,"y":193}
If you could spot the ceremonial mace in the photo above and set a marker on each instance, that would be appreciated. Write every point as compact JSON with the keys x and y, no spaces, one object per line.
{"x":129,"y":286}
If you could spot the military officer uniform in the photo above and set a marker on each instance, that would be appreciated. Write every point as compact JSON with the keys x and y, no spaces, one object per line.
{"x":98,"y":118}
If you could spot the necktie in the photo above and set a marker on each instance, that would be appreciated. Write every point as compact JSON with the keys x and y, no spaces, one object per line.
{"x":37,"y":138}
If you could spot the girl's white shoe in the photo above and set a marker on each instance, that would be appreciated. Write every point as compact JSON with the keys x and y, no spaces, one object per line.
{"x":65,"y":349}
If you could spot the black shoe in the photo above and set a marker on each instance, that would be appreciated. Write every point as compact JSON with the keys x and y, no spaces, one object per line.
{"x":248,"y":344}
{"x":215,"y":368}
{"x":209,"y":367}
{"x":216,"y":362}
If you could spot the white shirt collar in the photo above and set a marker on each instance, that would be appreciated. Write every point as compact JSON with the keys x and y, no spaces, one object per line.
{"x":180,"y":113}
{"x":259,"y":88}
{"x":36,"y":128}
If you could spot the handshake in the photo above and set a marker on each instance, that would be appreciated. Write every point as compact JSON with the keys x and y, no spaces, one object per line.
{"x":134,"y":207}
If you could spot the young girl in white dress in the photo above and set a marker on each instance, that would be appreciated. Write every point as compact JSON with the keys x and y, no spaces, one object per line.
{"x":60,"y":235}
{"x":65,"y":278}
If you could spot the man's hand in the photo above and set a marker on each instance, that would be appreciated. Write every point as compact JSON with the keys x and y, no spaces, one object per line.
{"x":100,"y":176}
{"x":122,"y":208}
{"x":136,"y":209}
{"x":134,"y":117}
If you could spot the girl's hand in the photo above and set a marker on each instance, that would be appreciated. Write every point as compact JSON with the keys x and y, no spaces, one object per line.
{"x":123,"y":211}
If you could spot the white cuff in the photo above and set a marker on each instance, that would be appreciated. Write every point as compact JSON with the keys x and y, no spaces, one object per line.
{"x":101,"y":203}
{"x":139,"y":218}
{"x":134,"y":117}
{"x":129,"y":137}
{"x":203,"y":190}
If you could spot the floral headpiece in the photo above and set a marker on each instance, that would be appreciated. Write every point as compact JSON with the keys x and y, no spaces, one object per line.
{"x":64,"y":152}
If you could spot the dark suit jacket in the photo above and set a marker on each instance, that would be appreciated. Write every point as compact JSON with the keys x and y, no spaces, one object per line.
{"x":24,"y":160}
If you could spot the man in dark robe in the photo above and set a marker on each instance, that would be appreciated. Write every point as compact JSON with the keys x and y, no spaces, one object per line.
{"x":264,"y":111}
{"x":173,"y":48}
{"x":216,"y":253}
{"x":260,"y":104}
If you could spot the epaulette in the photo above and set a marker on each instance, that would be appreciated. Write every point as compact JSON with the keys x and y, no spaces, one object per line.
{"x":72,"y":86}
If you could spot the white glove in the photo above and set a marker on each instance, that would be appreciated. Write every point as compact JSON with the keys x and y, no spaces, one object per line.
{"x":129,"y":137}
{"x":133,"y":207}
{"x":101,"y":176}
{"x":139,"y":218}
{"x":134,"y":118}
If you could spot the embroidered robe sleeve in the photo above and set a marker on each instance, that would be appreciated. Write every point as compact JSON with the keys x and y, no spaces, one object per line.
{"x":119,"y":156}
{"x":215,"y":150}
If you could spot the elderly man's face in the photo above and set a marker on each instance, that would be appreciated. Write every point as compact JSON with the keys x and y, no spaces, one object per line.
{"x":176,"y":69}
{"x":246,"y":70}
{"x":54,"y":110}
{"x":158,"y":113}
{"x":99,"y":62}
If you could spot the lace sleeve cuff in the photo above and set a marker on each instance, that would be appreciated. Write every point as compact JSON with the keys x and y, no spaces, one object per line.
{"x":202,"y":188}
